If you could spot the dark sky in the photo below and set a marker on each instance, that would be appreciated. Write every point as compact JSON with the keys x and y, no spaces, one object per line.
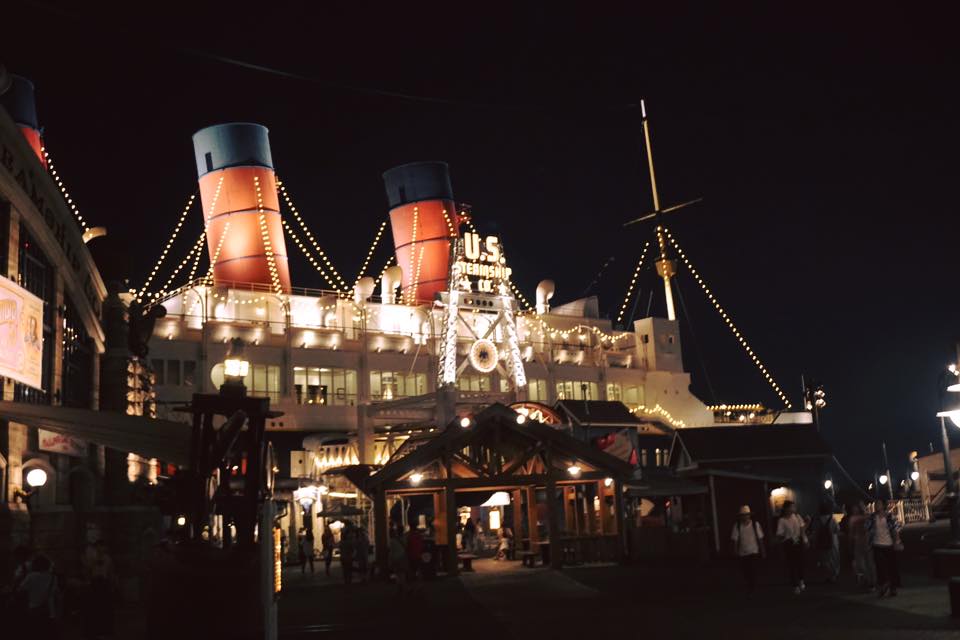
{"x":823,"y":143}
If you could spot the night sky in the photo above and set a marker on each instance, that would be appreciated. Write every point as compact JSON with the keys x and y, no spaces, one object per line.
{"x":824,"y":146}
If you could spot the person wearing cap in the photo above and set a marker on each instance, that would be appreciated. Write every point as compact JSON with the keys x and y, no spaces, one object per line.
{"x":747,"y":538}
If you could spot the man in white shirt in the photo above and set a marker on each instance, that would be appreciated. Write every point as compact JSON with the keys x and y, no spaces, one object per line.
{"x":747,"y":538}
{"x":791,"y":531}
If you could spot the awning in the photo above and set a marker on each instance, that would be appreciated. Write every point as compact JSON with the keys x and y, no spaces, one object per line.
{"x":162,"y":439}
{"x":664,"y":486}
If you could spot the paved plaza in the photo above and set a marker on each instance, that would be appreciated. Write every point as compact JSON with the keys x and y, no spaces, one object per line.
{"x":504,"y":600}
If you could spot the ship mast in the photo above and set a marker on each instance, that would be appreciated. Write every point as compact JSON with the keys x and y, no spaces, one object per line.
{"x":666,"y":268}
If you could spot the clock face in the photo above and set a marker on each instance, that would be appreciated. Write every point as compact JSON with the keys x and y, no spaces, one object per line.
{"x":483,"y":356}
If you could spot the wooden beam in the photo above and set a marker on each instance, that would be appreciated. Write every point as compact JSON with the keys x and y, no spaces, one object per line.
{"x":498,"y":482}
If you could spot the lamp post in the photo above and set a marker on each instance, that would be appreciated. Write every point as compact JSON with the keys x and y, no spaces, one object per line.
{"x":235,"y":369}
{"x":953,"y":412}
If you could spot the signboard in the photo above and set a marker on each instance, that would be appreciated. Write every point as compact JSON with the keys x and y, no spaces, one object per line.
{"x":60,"y":443}
{"x":482,"y":264}
{"x":21,"y":334}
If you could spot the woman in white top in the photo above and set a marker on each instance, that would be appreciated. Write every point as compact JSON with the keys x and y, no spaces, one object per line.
{"x":747,"y":538}
{"x":791,"y":531}
{"x":883,"y":532}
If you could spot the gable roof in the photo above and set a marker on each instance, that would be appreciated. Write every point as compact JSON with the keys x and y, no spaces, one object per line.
{"x":598,"y":413}
{"x":754,"y":442}
{"x":513,"y":436}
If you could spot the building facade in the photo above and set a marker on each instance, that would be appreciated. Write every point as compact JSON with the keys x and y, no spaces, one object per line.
{"x":44,"y":261}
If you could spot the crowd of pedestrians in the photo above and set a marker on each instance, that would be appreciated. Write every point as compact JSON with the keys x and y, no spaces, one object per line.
{"x":872,"y":537}
{"x":39,"y":599}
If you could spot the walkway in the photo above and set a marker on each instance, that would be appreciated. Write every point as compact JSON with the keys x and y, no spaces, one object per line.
{"x":504,"y":600}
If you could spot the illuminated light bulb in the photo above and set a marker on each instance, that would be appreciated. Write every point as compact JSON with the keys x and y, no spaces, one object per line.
{"x":416,"y":477}
{"x":883,"y":478}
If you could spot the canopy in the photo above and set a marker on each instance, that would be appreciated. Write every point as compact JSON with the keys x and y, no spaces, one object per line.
{"x":163,"y":439}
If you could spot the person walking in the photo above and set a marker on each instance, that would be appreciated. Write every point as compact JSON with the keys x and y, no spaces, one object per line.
{"x":860,"y":548}
{"x":328,"y":542}
{"x":469,"y":533}
{"x":306,"y":551}
{"x":347,"y":551}
{"x":363,"y":552}
{"x":791,"y":532}
{"x":398,"y":559}
{"x":747,"y":538}
{"x":414,"y":556}
{"x":826,"y":536}
{"x":42,"y":596}
{"x":883,"y":532}
{"x":98,"y":605}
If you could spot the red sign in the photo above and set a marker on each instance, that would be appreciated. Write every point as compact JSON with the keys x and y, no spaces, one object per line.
{"x":61,"y":443}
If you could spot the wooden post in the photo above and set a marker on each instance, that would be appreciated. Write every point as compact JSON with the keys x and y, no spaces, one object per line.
{"x":380,"y":533}
{"x":553,"y":524}
{"x":602,"y":510}
{"x":713,"y":511}
{"x":440,"y":518}
{"x":570,"y":514}
{"x":517,"y":512}
{"x":532,"y":531}
{"x":451,"y":499}
{"x":618,"y":525}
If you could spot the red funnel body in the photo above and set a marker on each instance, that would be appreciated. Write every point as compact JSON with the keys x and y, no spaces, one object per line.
{"x":20,"y":103}
{"x":423,"y":219}
{"x":243,"y":225}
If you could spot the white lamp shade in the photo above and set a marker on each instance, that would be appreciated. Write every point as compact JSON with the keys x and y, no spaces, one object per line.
{"x":498,"y":499}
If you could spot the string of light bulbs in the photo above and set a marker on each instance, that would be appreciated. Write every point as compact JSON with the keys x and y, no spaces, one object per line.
{"x":196,"y":249}
{"x":216,"y":253}
{"x":309,"y":256}
{"x":196,"y":260}
{"x":373,"y":247}
{"x":316,"y":246}
{"x":407,"y":296}
{"x":517,"y":294}
{"x":265,"y":238}
{"x":633,"y":282}
{"x":657,"y":410}
{"x":63,"y":189}
{"x":729,"y":322}
{"x":166,"y":249}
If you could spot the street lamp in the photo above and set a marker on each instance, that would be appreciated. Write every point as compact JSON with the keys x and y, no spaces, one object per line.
{"x":36,"y":478}
{"x":235,"y":369}
{"x":950,"y":410}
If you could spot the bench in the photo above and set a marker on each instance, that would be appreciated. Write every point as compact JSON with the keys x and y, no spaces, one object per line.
{"x":529,"y":558}
{"x":467,"y":560}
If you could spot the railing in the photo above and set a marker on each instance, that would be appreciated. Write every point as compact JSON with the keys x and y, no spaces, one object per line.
{"x":909,"y":510}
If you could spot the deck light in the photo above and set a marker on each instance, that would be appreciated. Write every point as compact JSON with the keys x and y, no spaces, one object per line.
{"x":827,"y":484}
{"x":465,"y":422}
{"x":574,"y":469}
{"x":521,"y":418}
{"x":415,"y":478}
{"x":607,"y":482}
{"x":914,"y":475}
{"x":883,"y":478}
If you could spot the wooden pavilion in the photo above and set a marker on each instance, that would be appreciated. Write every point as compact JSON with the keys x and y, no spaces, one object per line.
{"x":553,"y":479}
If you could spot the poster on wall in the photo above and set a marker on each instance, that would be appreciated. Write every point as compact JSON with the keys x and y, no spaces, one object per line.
{"x":21,"y":334}
{"x":61,"y":443}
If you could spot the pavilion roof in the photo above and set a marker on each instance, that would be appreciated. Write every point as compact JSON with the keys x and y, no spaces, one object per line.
{"x":497,"y":447}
